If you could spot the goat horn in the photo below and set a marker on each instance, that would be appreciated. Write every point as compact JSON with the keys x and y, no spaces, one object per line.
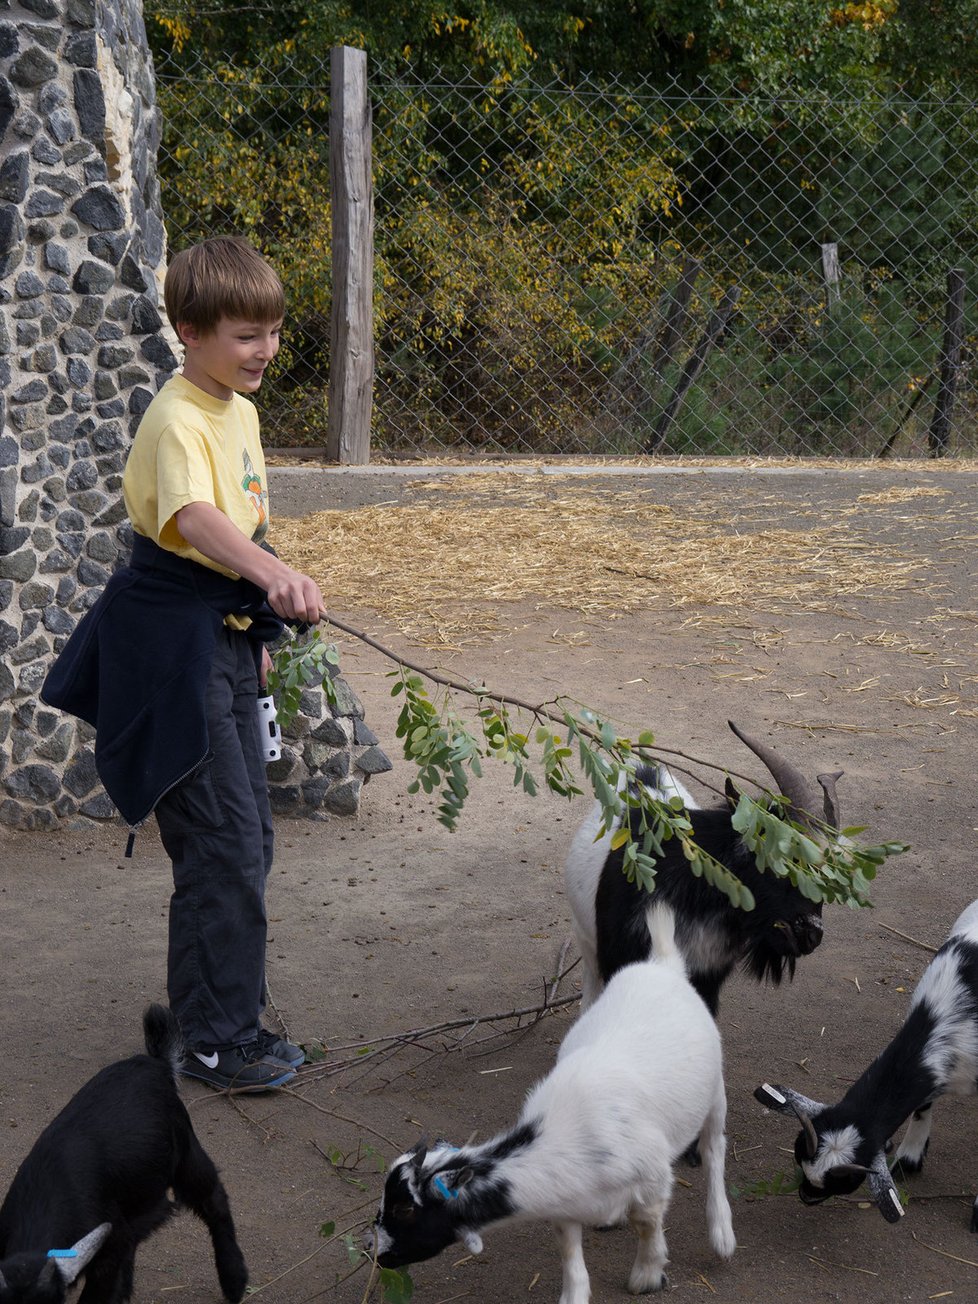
{"x":790,"y":780}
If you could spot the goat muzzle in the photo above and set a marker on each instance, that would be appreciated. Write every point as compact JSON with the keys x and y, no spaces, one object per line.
{"x":807,"y":932}
{"x":811,"y":1194}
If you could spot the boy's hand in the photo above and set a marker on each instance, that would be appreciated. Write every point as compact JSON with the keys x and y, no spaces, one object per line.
{"x":295,"y":596}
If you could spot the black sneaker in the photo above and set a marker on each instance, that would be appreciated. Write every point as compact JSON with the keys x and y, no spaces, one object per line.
{"x":277,"y":1048}
{"x":242,"y":1068}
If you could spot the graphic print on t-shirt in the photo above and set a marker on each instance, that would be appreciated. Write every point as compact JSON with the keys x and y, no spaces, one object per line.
{"x":258,"y":496}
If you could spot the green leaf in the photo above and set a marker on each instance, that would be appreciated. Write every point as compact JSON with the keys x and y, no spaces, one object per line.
{"x":397,"y":1286}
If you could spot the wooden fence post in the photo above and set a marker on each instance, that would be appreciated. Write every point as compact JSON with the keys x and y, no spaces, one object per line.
{"x":351,"y":341}
{"x":831,"y":274}
{"x":940,"y":426}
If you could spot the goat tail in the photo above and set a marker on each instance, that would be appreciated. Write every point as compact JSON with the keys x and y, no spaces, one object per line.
{"x":164,"y":1040}
{"x":661,"y":923}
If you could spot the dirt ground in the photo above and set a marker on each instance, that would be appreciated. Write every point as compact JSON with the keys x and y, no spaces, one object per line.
{"x":386,"y":924}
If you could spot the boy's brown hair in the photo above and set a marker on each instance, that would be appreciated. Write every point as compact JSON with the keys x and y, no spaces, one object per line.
{"x":221,"y":277}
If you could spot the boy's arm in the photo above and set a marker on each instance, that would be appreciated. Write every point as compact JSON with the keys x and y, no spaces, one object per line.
{"x":291,"y":595}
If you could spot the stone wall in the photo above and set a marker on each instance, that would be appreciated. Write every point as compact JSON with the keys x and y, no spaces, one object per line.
{"x":83,"y":348}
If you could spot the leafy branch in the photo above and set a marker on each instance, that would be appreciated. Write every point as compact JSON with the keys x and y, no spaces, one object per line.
{"x":395,"y":1284}
{"x":448,"y":749}
{"x":299,"y":662}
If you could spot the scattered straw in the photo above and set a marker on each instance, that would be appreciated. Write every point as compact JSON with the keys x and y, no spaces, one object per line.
{"x":441,"y":573}
{"x":899,"y":495}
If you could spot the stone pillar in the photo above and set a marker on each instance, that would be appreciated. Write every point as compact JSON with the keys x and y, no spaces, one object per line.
{"x":81,"y":354}
{"x":83,"y":348}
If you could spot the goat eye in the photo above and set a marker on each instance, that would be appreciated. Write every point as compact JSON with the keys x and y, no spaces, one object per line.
{"x":405,"y":1212}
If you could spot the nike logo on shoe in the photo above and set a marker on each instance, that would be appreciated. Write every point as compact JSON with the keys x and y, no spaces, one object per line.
{"x":208,"y":1061}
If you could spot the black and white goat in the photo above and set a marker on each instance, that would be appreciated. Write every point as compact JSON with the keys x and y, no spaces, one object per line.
{"x":713,"y":935}
{"x":934,"y":1053}
{"x":95,"y":1184}
{"x":637,"y":1078}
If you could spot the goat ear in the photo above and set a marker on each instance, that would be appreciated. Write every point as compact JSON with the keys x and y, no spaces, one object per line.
{"x":851,"y":1170}
{"x":418,"y":1152}
{"x":72,"y":1263}
{"x":884,"y":1191}
{"x":830,"y":801}
{"x":447,"y":1184}
{"x":46,"y":1277}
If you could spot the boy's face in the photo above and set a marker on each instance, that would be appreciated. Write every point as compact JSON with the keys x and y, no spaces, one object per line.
{"x":233,"y":356}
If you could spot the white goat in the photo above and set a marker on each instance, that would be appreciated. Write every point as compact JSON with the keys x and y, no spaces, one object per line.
{"x":638,"y":1078}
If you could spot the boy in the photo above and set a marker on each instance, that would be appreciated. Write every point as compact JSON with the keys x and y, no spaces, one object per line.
{"x":167,"y":664}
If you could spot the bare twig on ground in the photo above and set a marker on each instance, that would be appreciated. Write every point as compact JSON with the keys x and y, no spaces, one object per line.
{"x":257,"y":1290}
{"x":386,"y":1045}
{"x":925,"y":946}
{"x":332,"y":1113}
{"x":561,"y":971}
{"x":278,"y":1013}
{"x":943,"y":1253}
{"x":848,"y":1267}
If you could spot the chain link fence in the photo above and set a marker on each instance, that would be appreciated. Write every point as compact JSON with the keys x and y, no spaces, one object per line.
{"x":608,"y":269}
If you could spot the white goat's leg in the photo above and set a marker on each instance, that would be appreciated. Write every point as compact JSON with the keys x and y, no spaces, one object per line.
{"x":911,"y":1150}
{"x":647,"y":1217}
{"x":576,"y":1288}
{"x":713,"y":1147}
{"x":649,"y":1269}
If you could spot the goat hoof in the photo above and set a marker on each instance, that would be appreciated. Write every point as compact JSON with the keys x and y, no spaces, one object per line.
{"x":974,"y":1220}
{"x":647,"y":1283}
{"x":910,"y":1166}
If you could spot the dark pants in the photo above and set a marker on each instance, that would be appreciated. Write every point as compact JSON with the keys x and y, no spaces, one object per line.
{"x":216,"y":827}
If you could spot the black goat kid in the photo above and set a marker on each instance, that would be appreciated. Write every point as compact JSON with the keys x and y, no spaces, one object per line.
{"x":713,"y":935}
{"x":95,"y":1184}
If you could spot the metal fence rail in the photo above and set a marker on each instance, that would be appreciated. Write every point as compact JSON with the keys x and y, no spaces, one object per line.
{"x":609,"y":269}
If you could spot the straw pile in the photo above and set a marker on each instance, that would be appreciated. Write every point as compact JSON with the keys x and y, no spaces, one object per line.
{"x":444,"y":574}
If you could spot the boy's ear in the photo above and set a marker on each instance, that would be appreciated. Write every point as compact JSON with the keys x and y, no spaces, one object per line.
{"x":188,"y":333}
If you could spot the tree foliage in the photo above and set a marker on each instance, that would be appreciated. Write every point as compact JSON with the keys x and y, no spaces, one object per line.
{"x":540,"y":180}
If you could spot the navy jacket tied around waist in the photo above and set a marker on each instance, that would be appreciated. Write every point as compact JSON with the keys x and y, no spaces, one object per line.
{"x":137,"y":665}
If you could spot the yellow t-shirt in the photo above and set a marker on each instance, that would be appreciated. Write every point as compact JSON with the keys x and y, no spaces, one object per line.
{"x":193,"y":448}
